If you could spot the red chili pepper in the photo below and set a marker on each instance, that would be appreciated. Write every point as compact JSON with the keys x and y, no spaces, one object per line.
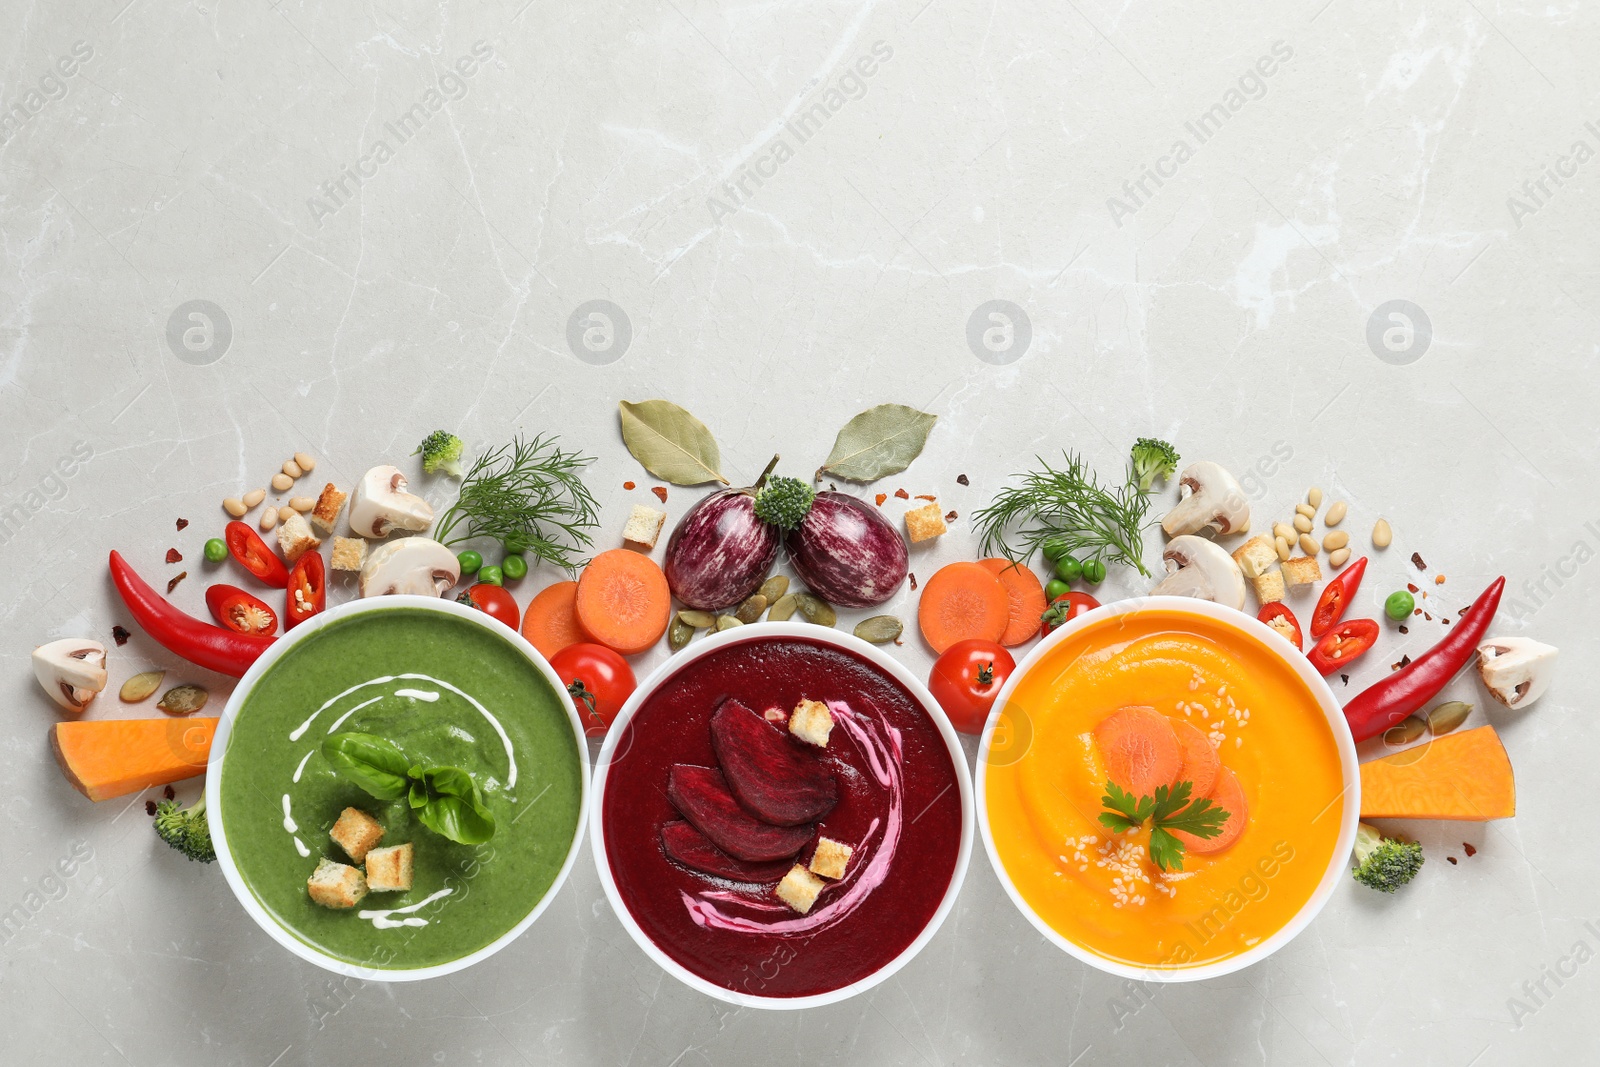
{"x":200,"y":643}
{"x":254,"y":555}
{"x":308,"y":590}
{"x":1343,"y":644}
{"x":1404,"y":692}
{"x":1278,"y":616}
{"x":1337,"y":597}
{"x":239,"y":611}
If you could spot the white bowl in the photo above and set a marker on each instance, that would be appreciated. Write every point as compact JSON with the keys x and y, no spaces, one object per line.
{"x":758,"y":632}
{"x":219,"y":750}
{"x":1338,"y":862}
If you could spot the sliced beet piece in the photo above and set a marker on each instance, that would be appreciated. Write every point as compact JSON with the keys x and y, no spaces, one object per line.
{"x":768,"y":773}
{"x":688,"y":846}
{"x":701,"y":794}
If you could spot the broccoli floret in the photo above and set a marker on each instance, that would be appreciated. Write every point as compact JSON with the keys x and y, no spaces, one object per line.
{"x":441,"y":451}
{"x":186,"y":829}
{"x":1152,"y":459}
{"x":784,"y":502}
{"x":1382,"y":863}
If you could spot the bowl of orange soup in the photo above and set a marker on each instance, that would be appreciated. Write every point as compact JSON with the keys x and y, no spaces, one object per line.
{"x":1152,"y":695}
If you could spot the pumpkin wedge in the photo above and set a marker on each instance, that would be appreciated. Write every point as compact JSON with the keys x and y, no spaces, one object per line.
{"x":1464,"y":776}
{"x":105,"y":758}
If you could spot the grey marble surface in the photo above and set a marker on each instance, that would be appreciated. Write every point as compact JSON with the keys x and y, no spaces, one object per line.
{"x":395,"y":215}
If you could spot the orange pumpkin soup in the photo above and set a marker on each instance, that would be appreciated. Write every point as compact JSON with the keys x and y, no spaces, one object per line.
{"x":1276,"y":758}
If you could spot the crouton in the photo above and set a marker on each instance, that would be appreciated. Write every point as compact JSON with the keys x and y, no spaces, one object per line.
{"x":1256,"y":556}
{"x":389,"y":869}
{"x":349,"y":553}
{"x":356,"y":832}
{"x":799,"y":889}
{"x":1301,"y":571}
{"x":830,"y":858}
{"x":925,"y":522}
{"x":644,"y":526}
{"x":326,"y":513}
{"x":295,"y":538}
{"x":1269,"y":586}
{"x":811,"y":722}
{"x":336,"y":885}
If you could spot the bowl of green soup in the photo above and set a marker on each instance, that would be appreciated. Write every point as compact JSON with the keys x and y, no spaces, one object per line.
{"x":397,"y":788}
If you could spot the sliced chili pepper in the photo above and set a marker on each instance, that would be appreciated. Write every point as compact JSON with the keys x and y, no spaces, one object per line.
{"x":239,"y":611}
{"x":201,"y":643}
{"x":1409,"y":689}
{"x":1278,"y":616}
{"x":1336,"y":597}
{"x":254,"y":556}
{"x":1346,"y":642}
{"x":308,"y":590}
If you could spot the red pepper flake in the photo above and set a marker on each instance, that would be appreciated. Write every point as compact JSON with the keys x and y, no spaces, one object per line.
{"x":1470,"y":851}
{"x":660,"y":491}
{"x":926,"y":496}
{"x":1453,"y":860}
{"x":174,"y":583}
{"x":881,"y":498}
{"x":1416,"y":559}
{"x":169,"y":793}
{"x":182,"y":523}
{"x":902,"y":494}
{"x":1446,"y":619}
{"x":950,"y":516}
{"x":1425,"y":615}
{"x":832,"y":488}
{"x":120,"y":634}
{"x":913,"y":578}
{"x":1412,"y":588}
{"x":1438,"y":579}
{"x":150,"y":807}
{"x":1405,"y":661}
{"x":174,"y":556}
{"x":1405,"y":630}
{"x":1464,"y":610}
{"x":627,"y":485}
{"x":1416,"y":611}
{"x":961,"y":479}
{"x":1345,"y":678}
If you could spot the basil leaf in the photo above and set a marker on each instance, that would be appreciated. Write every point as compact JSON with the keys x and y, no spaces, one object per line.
{"x":453,"y":805}
{"x":373,"y":763}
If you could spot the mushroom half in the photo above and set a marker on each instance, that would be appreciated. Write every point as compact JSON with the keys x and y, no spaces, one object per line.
{"x":1516,"y":670}
{"x":416,"y":565}
{"x":1208,"y":498}
{"x":1201,"y":569}
{"x":381,"y":504}
{"x":72,"y":671}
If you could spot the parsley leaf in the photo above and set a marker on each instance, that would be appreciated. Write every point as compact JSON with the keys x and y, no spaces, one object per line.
{"x":1170,"y":809}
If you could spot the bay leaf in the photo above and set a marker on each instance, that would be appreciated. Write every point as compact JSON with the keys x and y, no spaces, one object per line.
{"x":878,"y":442}
{"x":672,"y":444}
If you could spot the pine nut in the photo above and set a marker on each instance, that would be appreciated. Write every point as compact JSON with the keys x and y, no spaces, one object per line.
{"x":234,"y":506}
{"x":1338,"y":558}
{"x":1382,"y":536}
{"x":304,"y":461}
{"x":1284,"y":551}
{"x":1314,"y":497}
{"x":292,"y":469}
{"x":1302,"y":524}
{"x":1308,"y":545}
{"x":282,"y":482}
{"x":1305,"y":509}
{"x":269,"y":519}
{"x":1336,"y":512}
{"x":302,"y":503}
{"x":254,"y":497}
{"x":1284,"y":530}
{"x":1335,"y":540}
{"x":285,"y":513}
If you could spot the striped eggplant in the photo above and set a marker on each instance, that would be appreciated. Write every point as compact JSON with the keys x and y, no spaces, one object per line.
{"x":846,"y":552}
{"x":720,"y":552}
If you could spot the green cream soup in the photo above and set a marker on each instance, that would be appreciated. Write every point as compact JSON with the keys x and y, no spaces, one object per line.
{"x":449,"y":692}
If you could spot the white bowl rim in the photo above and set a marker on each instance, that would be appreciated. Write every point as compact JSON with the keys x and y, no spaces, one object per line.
{"x":822,"y":635}
{"x":1348,"y":765}
{"x":219,"y":749}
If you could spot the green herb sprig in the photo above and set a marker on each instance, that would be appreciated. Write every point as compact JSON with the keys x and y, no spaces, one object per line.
{"x":1170,"y":809}
{"x":447,"y":800}
{"x":530,"y":496}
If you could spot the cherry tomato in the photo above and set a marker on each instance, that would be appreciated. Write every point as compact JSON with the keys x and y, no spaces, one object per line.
{"x":308,"y":590}
{"x":239,"y":611}
{"x":1067,"y":606}
{"x":254,"y":556}
{"x":495,"y":600}
{"x":1280,"y":618}
{"x":967,"y":678}
{"x":1347,"y":642}
{"x":599,"y":680}
{"x":1336,"y":597}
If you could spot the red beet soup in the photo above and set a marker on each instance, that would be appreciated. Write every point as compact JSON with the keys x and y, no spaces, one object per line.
{"x":898,"y":809}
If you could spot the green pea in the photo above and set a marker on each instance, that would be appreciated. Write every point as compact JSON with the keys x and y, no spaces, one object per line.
{"x":515,"y":567}
{"x":1399,"y":605}
{"x":1055,"y":587}
{"x":1054,"y":548}
{"x":1068,"y":569}
{"x":1094,"y":571}
{"x":216,"y":550}
{"x":490,"y":576}
{"x":470,"y":561}
{"x":513,"y":545}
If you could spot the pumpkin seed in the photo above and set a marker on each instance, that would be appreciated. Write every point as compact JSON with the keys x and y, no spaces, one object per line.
{"x":727,"y":622}
{"x":140,"y":686}
{"x":183,"y":700}
{"x":1405,"y":731}
{"x":783,"y":608}
{"x":697,"y":620}
{"x":774,"y":588}
{"x":752,"y":608}
{"x":679,"y":633}
{"x":880,"y":629}
{"x":1447,"y":716}
{"x":816,"y":610}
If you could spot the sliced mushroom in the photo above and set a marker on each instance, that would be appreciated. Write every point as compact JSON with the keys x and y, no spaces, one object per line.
{"x":381,"y":504}
{"x":1201,"y":569}
{"x":417,"y":565}
{"x":1208,"y":498}
{"x":72,"y":671}
{"x":1516,"y":670}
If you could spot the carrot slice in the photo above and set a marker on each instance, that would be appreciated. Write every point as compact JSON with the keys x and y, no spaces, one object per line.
{"x":105,"y":758}
{"x":623,"y":601}
{"x":1228,"y":795}
{"x":1024,"y":594}
{"x":550,"y":623}
{"x":1139,"y":749}
{"x":962,"y":602}
{"x":1200,"y":762}
{"x":1463,"y":776}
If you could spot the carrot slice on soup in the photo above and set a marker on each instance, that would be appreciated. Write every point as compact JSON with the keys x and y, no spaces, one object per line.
{"x":1200,"y":762}
{"x":1228,"y":795}
{"x":1139,"y":749}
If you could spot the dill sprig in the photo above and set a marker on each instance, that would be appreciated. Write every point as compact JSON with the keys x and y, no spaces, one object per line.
{"x":529,"y":496}
{"x":1090,"y":520}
